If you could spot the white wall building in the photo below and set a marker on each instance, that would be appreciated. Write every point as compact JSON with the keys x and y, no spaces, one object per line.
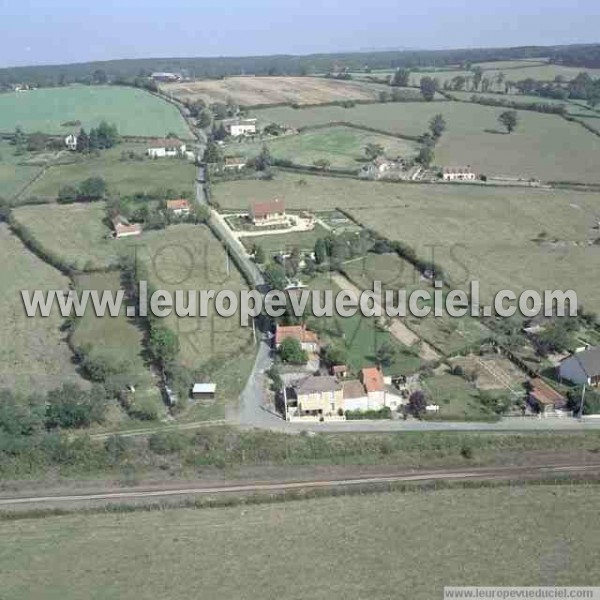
{"x":169,"y":147}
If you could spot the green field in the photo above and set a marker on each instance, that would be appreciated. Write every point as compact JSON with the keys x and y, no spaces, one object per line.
{"x":449,"y":335}
{"x":492,"y":230}
{"x":510,"y":536}
{"x":34,"y":356}
{"x":343,"y":147}
{"x":544,"y":146}
{"x":511,"y":71}
{"x":135,"y":112}
{"x":123,"y":175}
{"x":13,"y":174}
{"x":75,"y":232}
{"x":189,"y":257}
{"x":119,"y":338}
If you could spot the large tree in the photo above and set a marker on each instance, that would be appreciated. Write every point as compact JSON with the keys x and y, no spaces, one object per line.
{"x":372,"y":151}
{"x":401,"y":78}
{"x":437,"y":125}
{"x":510,"y":120}
{"x":428,"y":88}
{"x":291,"y":351}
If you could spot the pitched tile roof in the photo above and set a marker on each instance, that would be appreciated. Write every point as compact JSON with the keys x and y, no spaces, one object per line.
{"x":545,"y":394}
{"x":353,"y":388}
{"x":315,"y":385}
{"x":180,"y":204}
{"x":372,"y":379}
{"x":298,"y":332}
{"x":263,"y":209}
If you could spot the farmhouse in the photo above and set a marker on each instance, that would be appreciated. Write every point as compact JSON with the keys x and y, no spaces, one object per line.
{"x":545,"y":400}
{"x":319,"y":396}
{"x":234,"y":163}
{"x":370,"y":392}
{"x":268,"y":213}
{"x":171,"y":147}
{"x":458,"y":174}
{"x":166,"y":77}
{"x":71,"y":142}
{"x":582,"y":367}
{"x":179,"y":207}
{"x":122,"y":228}
{"x":309,"y":341}
{"x":239,"y":127}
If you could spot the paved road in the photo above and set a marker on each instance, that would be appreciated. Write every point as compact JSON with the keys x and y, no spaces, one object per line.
{"x":480,"y":474}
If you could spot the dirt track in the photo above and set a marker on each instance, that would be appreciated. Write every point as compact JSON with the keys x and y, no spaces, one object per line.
{"x":166,"y":491}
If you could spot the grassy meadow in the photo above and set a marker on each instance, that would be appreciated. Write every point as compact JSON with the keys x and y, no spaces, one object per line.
{"x":543,"y":146}
{"x":77,"y":232}
{"x":14,"y":175}
{"x":486,"y":233}
{"x":343,"y":147}
{"x":123,"y":175}
{"x":505,"y":536}
{"x":118,"y":337}
{"x":135,"y":112}
{"x":34,"y":356}
{"x":189,"y":257}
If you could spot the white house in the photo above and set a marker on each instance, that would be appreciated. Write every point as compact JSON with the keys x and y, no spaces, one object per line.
{"x":71,"y":142}
{"x":239,"y":127}
{"x":458,"y":174}
{"x":582,"y":367}
{"x":370,"y":392}
{"x":168,"y":147}
{"x":234,"y":163}
{"x":179,"y":208}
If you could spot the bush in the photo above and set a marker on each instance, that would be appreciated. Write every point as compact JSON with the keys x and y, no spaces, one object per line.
{"x":168,"y":442}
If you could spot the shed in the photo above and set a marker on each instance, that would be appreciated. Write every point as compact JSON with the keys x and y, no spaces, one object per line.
{"x":204,"y":391}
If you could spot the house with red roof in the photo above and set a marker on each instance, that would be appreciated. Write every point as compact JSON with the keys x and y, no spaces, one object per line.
{"x":268,"y":213}
{"x":122,"y":228}
{"x":309,"y":340}
{"x":180,"y":207}
{"x":545,"y":399}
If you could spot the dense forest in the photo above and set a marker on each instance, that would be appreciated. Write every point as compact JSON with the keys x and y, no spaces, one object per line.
{"x":96,"y":72}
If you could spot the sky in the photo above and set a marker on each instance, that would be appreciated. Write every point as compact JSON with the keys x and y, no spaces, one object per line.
{"x":67,"y":31}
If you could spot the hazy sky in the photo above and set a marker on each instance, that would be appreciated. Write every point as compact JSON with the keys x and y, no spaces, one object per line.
{"x":63,"y":31}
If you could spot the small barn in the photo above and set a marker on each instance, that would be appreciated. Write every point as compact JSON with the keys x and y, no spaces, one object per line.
{"x":204,"y":391}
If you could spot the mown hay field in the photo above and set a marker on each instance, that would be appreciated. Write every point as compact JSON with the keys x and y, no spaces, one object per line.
{"x":64,"y":110}
{"x":34,"y":356}
{"x":504,"y":536}
{"x":342,"y":147}
{"x":253,"y":91}
{"x":544,"y":146}
{"x":123,"y":175}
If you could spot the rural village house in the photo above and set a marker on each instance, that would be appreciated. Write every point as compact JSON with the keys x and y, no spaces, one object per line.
{"x":458,"y":174}
{"x":71,"y":142}
{"x":168,"y":147}
{"x":179,"y":207}
{"x":268,"y":213}
{"x":582,"y":367}
{"x":309,"y":341}
{"x":234,"y":163}
{"x":122,"y":228}
{"x":239,"y":127}
{"x":318,"y":397}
